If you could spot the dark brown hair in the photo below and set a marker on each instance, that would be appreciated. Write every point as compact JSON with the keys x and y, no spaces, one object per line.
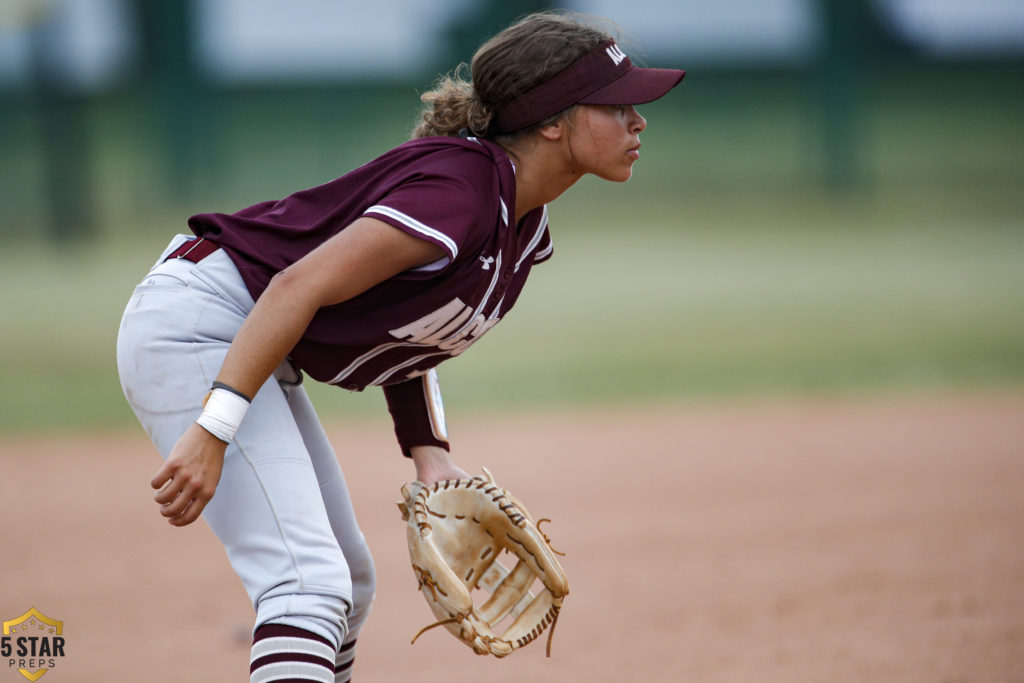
{"x":525,"y":54}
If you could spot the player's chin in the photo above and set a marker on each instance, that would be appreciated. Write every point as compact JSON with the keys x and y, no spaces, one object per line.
{"x":619,"y":174}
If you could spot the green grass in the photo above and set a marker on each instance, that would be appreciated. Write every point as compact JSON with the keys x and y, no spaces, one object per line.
{"x":705,"y":311}
{"x":639,"y":306}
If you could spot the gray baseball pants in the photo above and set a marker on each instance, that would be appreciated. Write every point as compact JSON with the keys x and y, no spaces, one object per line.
{"x":282,"y":508}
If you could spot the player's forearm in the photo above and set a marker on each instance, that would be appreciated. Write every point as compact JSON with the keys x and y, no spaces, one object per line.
{"x":269,"y":333}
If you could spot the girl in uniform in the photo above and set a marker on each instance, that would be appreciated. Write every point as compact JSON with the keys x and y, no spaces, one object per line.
{"x":371,"y":279}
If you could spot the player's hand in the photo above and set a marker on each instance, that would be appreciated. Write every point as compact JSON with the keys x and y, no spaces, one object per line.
{"x":189,"y":476}
{"x":433,"y":464}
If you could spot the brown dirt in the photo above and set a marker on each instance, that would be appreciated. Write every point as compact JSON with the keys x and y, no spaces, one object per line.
{"x":852,"y":540}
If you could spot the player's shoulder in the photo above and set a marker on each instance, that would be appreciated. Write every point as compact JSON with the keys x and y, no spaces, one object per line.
{"x":460,"y":156}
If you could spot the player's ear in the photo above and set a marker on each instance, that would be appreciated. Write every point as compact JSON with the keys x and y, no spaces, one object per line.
{"x":555,"y":131}
{"x":564,"y":124}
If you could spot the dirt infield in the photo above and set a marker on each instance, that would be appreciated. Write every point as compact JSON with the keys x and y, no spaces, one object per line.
{"x":853,"y":540}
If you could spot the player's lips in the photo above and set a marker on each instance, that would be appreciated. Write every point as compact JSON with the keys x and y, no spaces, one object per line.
{"x":634,"y":152}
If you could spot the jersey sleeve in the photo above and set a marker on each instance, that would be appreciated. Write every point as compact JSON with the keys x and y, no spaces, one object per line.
{"x":418,"y":413}
{"x":450,"y":204}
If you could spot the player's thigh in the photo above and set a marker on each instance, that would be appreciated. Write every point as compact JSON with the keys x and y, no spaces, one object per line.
{"x":340,"y":510}
{"x":334,"y":489}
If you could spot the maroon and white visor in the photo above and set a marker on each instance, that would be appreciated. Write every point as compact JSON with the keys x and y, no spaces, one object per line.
{"x":604,"y":76}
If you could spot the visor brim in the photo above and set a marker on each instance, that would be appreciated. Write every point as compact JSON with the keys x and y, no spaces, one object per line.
{"x":636,"y":86}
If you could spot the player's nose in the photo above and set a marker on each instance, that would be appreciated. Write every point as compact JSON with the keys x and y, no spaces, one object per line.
{"x":637,"y":122}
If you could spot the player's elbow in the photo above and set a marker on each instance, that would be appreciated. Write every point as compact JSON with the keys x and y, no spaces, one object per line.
{"x":292,"y":290}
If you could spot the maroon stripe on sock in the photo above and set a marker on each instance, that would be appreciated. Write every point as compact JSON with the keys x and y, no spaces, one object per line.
{"x":282,"y":631}
{"x":291,"y":657}
{"x":341,"y":670}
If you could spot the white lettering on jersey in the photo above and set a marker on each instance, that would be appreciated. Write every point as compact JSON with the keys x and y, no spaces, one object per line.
{"x":432,"y":327}
{"x":447,"y":329}
{"x":467,"y":337}
{"x":450,"y":330}
{"x":616,"y":54}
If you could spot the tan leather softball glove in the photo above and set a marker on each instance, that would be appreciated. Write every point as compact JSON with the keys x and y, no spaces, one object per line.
{"x":462,"y":535}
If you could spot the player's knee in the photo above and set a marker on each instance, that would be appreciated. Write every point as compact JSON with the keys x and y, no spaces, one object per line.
{"x":364,"y":579}
{"x":363,"y":591}
{"x":364,"y":588}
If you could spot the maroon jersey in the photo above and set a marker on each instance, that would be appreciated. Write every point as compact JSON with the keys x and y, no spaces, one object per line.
{"x":456,"y":193}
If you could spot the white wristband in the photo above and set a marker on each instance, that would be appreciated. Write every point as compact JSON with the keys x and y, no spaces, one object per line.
{"x":223,"y":413}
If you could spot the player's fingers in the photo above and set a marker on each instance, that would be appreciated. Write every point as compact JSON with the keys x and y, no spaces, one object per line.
{"x":190,"y":514}
{"x":176,"y":506}
{"x":195,"y":494}
{"x":171,"y":489}
{"x":162,"y":476}
{"x":190,"y":491}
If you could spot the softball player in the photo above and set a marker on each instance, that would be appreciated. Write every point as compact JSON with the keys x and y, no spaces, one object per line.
{"x":372,"y":279}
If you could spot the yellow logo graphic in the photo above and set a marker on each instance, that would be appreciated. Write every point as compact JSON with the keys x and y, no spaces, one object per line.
{"x":32,"y":643}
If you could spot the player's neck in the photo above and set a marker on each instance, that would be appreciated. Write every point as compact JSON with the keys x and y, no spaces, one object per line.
{"x":541,"y":177}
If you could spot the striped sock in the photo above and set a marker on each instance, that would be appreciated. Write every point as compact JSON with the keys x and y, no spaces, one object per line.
{"x":343,"y":663}
{"x":285,"y":654}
